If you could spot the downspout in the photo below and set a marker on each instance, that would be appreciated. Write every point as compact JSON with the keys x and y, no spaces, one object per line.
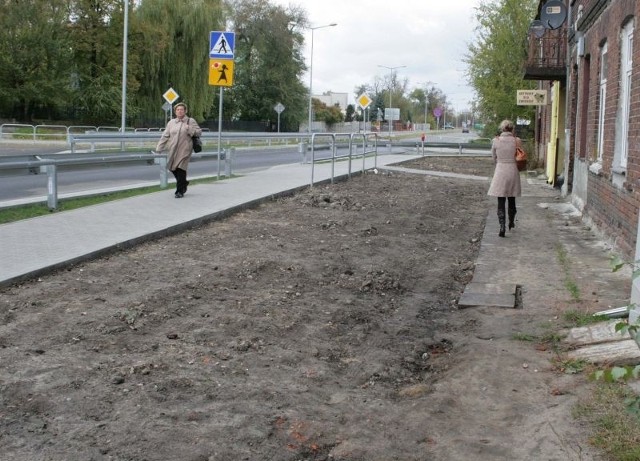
{"x":552,"y":145}
{"x":567,"y":111}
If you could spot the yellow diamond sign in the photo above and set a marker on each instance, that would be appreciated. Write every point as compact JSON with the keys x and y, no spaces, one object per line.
{"x":364,"y":101}
{"x":170,"y":96}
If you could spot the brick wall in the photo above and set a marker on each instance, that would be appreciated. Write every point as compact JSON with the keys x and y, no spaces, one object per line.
{"x":613,"y":209}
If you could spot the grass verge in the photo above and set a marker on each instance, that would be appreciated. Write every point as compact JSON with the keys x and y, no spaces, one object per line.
{"x":616,"y":426}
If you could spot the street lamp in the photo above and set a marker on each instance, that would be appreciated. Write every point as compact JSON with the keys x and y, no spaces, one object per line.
{"x":311,"y":73}
{"x":426,"y":100}
{"x":390,"y":82}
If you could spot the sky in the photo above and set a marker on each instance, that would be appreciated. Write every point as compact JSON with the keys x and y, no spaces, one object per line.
{"x":429,"y":37}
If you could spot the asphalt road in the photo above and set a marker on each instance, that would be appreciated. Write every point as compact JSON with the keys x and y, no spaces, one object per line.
{"x":19,"y":185}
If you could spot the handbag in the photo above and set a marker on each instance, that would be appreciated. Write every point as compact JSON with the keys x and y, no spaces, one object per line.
{"x":197,"y":144}
{"x":521,"y":159}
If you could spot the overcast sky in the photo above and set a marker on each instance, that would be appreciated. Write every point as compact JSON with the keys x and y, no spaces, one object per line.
{"x":429,"y":37}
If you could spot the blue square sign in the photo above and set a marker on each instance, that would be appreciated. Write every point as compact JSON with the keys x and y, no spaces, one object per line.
{"x":221,"y":44}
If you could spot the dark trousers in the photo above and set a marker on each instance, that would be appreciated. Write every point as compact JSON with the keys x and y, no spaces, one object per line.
{"x":181,"y":180}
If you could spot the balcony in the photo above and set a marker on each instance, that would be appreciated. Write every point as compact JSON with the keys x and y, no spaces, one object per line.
{"x":547,"y":56}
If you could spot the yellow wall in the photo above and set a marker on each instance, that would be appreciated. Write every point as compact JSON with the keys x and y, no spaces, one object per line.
{"x":552,"y":146}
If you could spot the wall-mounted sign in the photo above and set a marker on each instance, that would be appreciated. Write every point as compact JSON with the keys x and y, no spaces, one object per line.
{"x":531,"y":98}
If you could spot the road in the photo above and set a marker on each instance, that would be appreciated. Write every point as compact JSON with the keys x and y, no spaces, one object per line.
{"x":23,"y":186}
{"x":33,"y":187}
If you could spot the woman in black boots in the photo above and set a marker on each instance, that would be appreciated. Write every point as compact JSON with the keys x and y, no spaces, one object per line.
{"x":177,"y":139}
{"x":505,"y":183}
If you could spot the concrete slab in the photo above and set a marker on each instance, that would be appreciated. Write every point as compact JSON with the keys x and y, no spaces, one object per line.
{"x":488,"y":294}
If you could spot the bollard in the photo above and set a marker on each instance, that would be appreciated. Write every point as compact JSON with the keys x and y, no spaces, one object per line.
{"x":459,"y":149}
{"x":227,"y":161}
{"x":302,"y":149}
{"x":162,"y":161}
{"x":52,"y":187}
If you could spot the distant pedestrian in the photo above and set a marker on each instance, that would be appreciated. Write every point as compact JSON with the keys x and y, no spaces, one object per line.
{"x":177,"y":140}
{"x":505,"y":183}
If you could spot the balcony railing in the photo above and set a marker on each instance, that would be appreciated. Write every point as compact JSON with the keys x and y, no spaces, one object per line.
{"x":547,"y":57}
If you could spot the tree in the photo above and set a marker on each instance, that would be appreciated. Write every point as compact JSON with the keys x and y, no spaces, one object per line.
{"x":34,"y":63}
{"x":175,"y":52}
{"x":350,"y":113}
{"x":495,"y":59}
{"x":269,"y":63}
{"x":327,"y":114}
{"x":95,"y":28}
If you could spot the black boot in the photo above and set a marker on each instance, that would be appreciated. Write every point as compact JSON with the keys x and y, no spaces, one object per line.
{"x":512,"y":212}
{"x":501,"y":219}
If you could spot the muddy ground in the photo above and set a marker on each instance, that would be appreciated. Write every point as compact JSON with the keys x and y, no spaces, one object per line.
{"x":322,"y":326}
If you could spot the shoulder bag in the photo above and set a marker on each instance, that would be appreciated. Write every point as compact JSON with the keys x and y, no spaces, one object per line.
{"x":197,"y":143}
{"x":521,"y":157}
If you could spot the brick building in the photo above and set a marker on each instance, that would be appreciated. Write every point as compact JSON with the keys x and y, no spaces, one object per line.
{"x":589,"y":131}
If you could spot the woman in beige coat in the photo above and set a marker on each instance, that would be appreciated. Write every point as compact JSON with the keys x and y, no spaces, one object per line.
{"x":177,"y":139}
{"x":505,"y":183}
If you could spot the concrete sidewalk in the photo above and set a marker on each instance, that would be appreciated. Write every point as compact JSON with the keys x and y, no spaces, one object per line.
{"x":522,"y":260}
{"x":35,"y":246}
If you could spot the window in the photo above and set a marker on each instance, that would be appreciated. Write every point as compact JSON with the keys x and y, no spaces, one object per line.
{"x":624,"y":106}
{"x":603,"y":100}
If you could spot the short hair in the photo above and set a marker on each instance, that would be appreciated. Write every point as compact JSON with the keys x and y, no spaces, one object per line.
{"x":180,"y":104}
{"x":506,"y":125}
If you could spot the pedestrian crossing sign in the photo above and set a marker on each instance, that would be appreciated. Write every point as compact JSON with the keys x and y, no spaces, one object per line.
{"x":221,"y":72}
{"x":222,"y":45}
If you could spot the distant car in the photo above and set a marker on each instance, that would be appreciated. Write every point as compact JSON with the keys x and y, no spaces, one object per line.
{"x":465,"y":129}
{"x":448,"y":126}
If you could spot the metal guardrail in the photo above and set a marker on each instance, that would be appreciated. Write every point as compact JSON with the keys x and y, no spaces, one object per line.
{"x":50,"y":166}
{"x":91,"y":139}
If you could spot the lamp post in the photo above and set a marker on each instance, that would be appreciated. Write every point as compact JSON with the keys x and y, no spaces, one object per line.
{"x":125,"y":34}
{"x":311,"y":74}
{"x":426,"y":100}
{"x":390,"y":82}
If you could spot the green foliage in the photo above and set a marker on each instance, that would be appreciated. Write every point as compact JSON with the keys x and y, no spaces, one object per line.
{"x":76,"y":72}
{"x":34,"y":62}
{"x":173,"y":41}
{"x":524,"y":337}
{"x":327,"y":114}
{"x":572,"y":367}
{"x":569,"y":282}
{"x":269,"y":63}
{"x":495,"y":59}
{"x":612,"y":412}
{"x":614,"y":374}
{"x":580,"y":319}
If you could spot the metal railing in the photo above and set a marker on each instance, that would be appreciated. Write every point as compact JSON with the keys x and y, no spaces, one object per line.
{"x":44,"y":132}
{"x":351,"y":139}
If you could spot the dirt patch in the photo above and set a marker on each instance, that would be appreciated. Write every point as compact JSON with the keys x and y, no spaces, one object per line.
{"x":320,"y":326}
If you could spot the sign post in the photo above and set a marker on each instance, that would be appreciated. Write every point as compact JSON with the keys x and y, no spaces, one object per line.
{"x":221,"y":54}
{"x":278,"y":108}
{"x":364,"y":101}
{"x":437,"y":112}
{"x":170,"y":96}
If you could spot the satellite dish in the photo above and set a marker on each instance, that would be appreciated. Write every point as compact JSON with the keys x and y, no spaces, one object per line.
{"x":537,"y":28}
{"x":553,"y":14}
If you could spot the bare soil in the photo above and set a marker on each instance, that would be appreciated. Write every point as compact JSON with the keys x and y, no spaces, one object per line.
{"x":321,"y":326}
